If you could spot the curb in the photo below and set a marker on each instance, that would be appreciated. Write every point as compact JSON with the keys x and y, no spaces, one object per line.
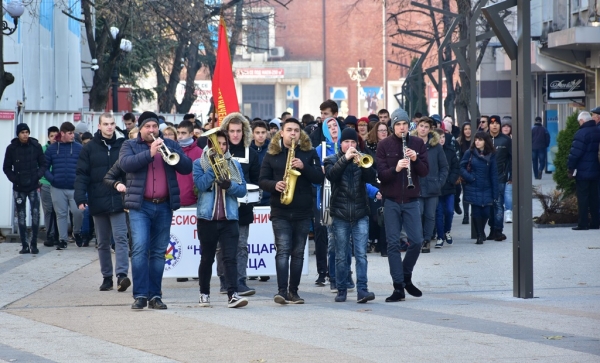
{"x":568,"y":225}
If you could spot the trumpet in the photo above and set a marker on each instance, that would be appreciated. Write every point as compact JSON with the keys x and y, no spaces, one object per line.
{"x":363,"y":160}
{"x":169,"y":157}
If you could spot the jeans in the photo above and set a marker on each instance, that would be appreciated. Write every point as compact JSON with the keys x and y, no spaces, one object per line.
{"x":428,"y":206}
{"x":321,"y":242}
{"x":587,"y":202}
{"x":444,"y":214}
{"x":21,"y":204}
{"x":242,"y":255}
{"x":359,"y":230}
{"x":508,"y":197}
{"x":226,"y":234}
{"x":290,"y":240}
{"x":497,"y":210}
{"x":538,"y":159}
{"x":63,"y":200}
{"x":151,"y":231}
{"x":331,"y":255}
{"x":112,"y":224}
{"x":396,"y":216}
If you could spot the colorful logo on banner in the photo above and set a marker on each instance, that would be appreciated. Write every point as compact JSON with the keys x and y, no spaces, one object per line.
{"x":173,"y":254}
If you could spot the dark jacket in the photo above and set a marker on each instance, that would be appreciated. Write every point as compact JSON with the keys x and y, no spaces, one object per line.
{"x":394,"y":184}
{"x":273,"y":169}
{"x":503,"y":145}
{"x":95,"y":160}
{"x":481,"y":184}
{"x":349,"y":199}
{"x":115,"y":175}
{"x":61,"y":163}
{"x":134,"y":159}
{"x":431,"y":184}
{"x":453,"y":170}
{"x":583,"y":155}
{"x":24,"y":164}
{"x":540,"y":137}
{"x":262,"y":151}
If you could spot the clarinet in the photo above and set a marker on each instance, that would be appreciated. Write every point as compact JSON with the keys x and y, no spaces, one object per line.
{"x":410,"y":182}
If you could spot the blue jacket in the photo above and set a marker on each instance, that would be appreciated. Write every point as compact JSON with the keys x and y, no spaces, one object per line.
{"x":540,"y":138}
{"x":61,"y":164}
{"x":134,"y":158}
{"x":207,"y":190}
{"x":584,"y":152}
{"x":481,"y":184}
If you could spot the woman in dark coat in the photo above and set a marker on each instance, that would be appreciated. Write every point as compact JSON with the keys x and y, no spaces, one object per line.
{"x":464,"y":143}
{"x":479,"y":170}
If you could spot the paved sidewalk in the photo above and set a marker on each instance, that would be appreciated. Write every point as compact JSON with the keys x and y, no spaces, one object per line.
{"x":51,"y":311}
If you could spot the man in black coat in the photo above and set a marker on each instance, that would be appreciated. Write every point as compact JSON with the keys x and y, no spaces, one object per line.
{"x":106,"y":204}
{"x":503,"y":146}
{"x":24,"y":165}
{"x":540,"y":140}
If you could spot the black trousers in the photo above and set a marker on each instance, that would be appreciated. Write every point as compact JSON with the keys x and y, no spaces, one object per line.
{"x":587,"y":202}
{"x":320,"y":239}
{"x":211,"y":233}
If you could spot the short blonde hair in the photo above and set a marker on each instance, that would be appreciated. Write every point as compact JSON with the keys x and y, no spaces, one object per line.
{"x":133,"y":132}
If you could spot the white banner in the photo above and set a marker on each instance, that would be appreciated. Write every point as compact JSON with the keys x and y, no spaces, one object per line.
{"x":182,"y":257}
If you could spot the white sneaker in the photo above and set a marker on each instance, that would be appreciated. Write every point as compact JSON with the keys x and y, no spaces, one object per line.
{"x":204,"y":300}
{"x":440,"y":243}
{"x":508,"y":216}
{"x":236,"y":301}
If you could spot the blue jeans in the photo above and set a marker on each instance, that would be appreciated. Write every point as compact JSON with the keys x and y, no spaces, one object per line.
{"x":151,"y":231}
{"x":290,"y":241}
{"x":331,"y":255}
{"x":396,"y":216}
{"x":497,"y":211}
{"x":538,"y":159}
{"x":443,"y":215}
{"x":508,"y":197}
{"x":360,"y":235}
{"x":21,"y":203}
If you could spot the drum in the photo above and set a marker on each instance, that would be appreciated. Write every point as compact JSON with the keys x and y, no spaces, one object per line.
{"x":253,"y":194}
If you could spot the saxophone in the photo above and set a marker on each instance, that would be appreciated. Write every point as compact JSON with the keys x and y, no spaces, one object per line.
{"x":290,"y":176}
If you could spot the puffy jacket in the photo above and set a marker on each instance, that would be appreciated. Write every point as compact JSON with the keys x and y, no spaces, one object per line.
{"x":115,"y":175}
{"x":503,"y":145}
{"x":262,"y":151}
{"x":540,"y":137}
{"x":349,"y":200}
{"x":431,"y":184}
{"x":61,"y":163}
{"x":24,"y":164}
{"x":207,"y":191}
{"x":393,"y":184}
{"x":186,"y":182}
{"x":273,"y":169}
{"x":453,"y":171}
{"x":134,"y":159}
{"x":95,"y":160}
{"x":583,"y":155}
{"x":481,"y":184}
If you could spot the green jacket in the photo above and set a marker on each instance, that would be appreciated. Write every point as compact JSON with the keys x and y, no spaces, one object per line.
{"x":45,"y":181}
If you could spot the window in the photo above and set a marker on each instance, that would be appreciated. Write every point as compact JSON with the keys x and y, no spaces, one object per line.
{"x":257,"y":32}
{"x":578,"y":5}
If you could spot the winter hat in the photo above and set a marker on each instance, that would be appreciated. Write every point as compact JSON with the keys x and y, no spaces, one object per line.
{"x":81,"y":127}
{"x":494,"y":118}
{"x":436,"y":118}
{"x":399,"y":115}
{"x":350,"y":120}
{"x":373,"y":117}
{"x":349,"y":134}
{"x":275,"y":122}
{"x":447,"y":124}
{"x":364,"y":120}
{"x":22,"y":127}
{"x":147,"y":116}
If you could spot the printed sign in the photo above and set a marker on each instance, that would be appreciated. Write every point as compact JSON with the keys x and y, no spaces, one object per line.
{"x":566,"y":87}
{"x":7,"y":115}
{"x":259,"y":73}
{"x":182,"y":257}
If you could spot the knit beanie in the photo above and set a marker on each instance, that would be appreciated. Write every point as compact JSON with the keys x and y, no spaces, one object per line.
{"x":399,"y":115}
{"x":364,"y":120}
{"x":147,"y":116}
{"x":81,"y":127}
{"x":350,"y":120}
{"x":21,"y":127}
{"x":349,"y":134}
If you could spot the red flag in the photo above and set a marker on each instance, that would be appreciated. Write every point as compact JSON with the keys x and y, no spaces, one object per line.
{"x":223,"y":87}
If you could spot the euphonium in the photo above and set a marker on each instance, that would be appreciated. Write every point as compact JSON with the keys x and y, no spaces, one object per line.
{"x":169,"y":157}
{"x":216,"y":157}
{"x":290,"y":176}
{"x":363,"y":160}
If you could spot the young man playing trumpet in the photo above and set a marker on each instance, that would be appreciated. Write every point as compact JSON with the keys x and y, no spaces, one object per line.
{"x":290,"y":152}
{"x":220,"y":181}
{"x":349,"y":207}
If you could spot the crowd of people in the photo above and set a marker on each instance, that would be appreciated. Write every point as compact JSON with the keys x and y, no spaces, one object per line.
{"x":383,"y":183}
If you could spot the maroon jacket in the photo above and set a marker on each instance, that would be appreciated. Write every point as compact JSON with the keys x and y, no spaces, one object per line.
{"x":186,"y":182}
{"x":394,"y":184}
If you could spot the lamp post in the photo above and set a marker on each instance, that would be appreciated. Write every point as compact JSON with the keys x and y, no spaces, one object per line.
{"x":358,"y":74}
{"x":125,"y":47}
{"x":14,"y":9}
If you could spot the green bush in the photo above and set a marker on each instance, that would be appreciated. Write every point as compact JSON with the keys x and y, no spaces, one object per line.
{"x":564,"y":141}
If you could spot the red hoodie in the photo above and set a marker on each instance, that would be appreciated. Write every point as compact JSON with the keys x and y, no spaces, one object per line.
{"x":186,"y":182}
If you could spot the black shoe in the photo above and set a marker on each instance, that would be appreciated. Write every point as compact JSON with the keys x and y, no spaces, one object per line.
{"x":457,"y":208}
{"x":426,"y":247}
{"x":34,"y":250}
{"x":157,"y":303}
{"x":280,"y":298}
{"x":107,"y":284}
{"x":24,"y":250}
{"x":182,"y":279}
{"x":363,"y":296}
{"x":123,"y":282}
{"x":410,"y":288}
{"x":78,"y":239}
{"x":86,"y":241}
{"x":293,"y":298}
{"x":265,"y":278}
{"x":49,"y":242}
{"x":139,"y":303}
{"x":465,"y":220}
{"x":235,"y":301}
{"x":574,"y":228}
{"x":321,"y":279}
{"x":384,"y":254}
{"x":341,"y":296}
{"x":500,"y":236}
{"x":397,"y":295}
{"x":61,"y":245}
{"x":253,"y":278}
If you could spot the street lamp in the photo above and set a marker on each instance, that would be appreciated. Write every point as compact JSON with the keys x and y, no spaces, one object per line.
{"x":358,"y":74}
{"x":14,"y":9}
{"x":125,"y":47}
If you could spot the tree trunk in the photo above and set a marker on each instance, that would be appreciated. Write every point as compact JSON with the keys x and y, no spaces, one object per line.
{"x":166,"y":100}
{"x":448,"y":69}
{"x":463,"y":91}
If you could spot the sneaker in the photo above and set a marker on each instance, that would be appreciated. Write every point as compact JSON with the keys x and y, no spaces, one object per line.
{"x":123,"y":282}
{"x":62,"y":244}
{"x":293,"y":298}
{"x":24,"y":250}
{"x":465,"y":220}
{"x":252,"y":277}
{"x":49,"y":242}
{"x":204,"y":300}
{"x":237,"y":302}
{"x":439,"y":243}
{"x":139,"y":303}
{"x":279,"y":298}
{"x":86,"y":240}
{"x":34,"y":250}
{"x":341,"y":296}
{"x":265,"y":278}
{"x":78,"y":239}
{"x":157,"y":303}
{"x":182,"y":279}
{"x":449,"y":238}
{"x":364,"y":295}
{"x":244,"y":290}
{"x":397,"y":295}
{"x":333,"y":286}
{"x":107,"y":284}
{"x":500,"y":236}
{"x":321,"y":279}
{"x":508,"y":216}
{"x":425,"y":248}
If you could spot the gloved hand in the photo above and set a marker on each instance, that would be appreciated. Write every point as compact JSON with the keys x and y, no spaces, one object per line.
{"x":225,"y":184}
